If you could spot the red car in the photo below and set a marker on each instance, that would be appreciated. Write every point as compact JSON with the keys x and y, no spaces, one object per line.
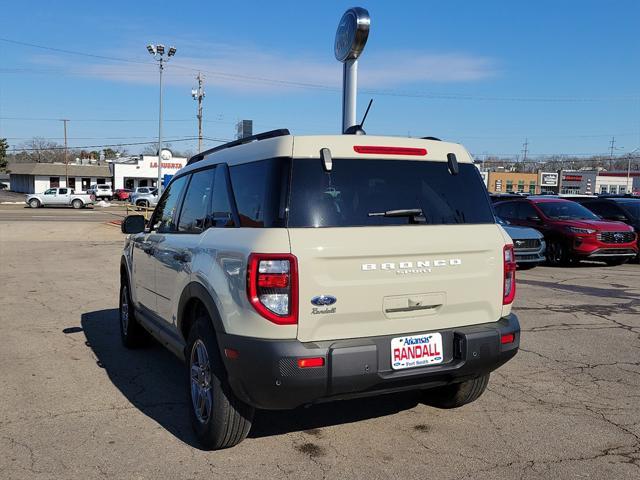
{"x":122,"y":194}
{"x":571,"y":231}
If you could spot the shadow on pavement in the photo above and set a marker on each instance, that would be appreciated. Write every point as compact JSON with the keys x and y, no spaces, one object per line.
{"x":154,"y":381}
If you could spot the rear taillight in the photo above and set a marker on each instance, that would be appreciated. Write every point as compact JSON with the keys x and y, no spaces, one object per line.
{"x":509,"y":288}
{"x":272,"y":286}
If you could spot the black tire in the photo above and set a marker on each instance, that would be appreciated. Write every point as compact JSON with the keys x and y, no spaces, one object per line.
{"x":142,"y":203}
{"x":34,"y":203}
{"x":457,"y":394}
{"x":614,"y":262}
{"x":227,"y":420}
{"x":557,"y":254}
{"x":77,"y":203}
{"x":131,"y":332}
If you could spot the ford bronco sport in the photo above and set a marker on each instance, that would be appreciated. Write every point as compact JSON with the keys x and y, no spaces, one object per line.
{"x":289,"y":270}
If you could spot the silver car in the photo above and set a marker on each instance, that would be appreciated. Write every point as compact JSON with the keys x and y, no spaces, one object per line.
{"x":528,"y":244}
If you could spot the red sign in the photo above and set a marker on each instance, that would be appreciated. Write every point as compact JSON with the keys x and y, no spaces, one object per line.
{"x":174,"y":166}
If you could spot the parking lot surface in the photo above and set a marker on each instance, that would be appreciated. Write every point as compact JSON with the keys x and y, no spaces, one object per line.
{"x":75,"y":404}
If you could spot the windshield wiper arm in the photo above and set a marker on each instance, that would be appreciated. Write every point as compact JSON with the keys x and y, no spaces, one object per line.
{"x":405,"y":212}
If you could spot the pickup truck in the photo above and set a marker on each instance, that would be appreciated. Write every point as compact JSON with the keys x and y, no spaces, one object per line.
{"x":56,"y":197}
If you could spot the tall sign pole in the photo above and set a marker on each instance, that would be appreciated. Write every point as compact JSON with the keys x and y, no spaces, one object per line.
{"x":351,"y":37}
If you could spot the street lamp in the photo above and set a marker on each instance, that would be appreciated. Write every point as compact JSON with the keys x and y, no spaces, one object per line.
{"x":158,"y":53}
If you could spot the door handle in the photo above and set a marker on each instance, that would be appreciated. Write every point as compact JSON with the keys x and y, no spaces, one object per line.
{"x":182,"y":257}
{"x":146,"y":247}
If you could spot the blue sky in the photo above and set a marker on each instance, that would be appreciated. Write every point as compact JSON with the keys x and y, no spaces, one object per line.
{"x":564,"y":74}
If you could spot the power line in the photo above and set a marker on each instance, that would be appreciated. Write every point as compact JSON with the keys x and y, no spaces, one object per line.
{"x":218,"y":140}
{"x":289,"y":83}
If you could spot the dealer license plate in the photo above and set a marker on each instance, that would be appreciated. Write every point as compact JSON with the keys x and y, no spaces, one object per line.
{"x":416,"y":351}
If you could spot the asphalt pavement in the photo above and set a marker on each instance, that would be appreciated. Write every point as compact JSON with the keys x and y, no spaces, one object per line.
{"x":75,"y":404}
{"x":23,"y":213}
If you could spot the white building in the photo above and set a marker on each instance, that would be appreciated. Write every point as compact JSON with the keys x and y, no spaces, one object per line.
{"x":142,"y":171}
{"x":37,"y":177}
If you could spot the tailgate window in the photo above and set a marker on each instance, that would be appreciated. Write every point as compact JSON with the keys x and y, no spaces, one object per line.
{"x":357,"y":188}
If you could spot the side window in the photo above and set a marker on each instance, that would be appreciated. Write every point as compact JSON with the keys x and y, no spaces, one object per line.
{"x":605,"y":210}
{"x":193,"y":216}
{"x":526,"y":211}
{"x":62,"y":191}
{"x":164,"y":215}
{"x":506,"y":211}
{"x":221,"y":208}
{"x":259,"y":189}
{"x":51,"y":191}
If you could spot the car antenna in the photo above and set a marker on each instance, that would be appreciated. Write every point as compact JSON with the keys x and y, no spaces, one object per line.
{"x":357,"y":129}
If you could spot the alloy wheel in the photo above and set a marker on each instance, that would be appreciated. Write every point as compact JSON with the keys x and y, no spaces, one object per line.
{"x":124,"y":309}
{"x":201,"y":393}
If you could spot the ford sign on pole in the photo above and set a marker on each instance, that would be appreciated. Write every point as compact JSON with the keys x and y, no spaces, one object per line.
{"x":351,"y":37}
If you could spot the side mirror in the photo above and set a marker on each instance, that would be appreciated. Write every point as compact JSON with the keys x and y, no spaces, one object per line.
{"x":133,"y":224}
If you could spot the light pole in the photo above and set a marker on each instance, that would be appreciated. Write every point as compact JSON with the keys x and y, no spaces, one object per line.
{"x":199,"y":95}
{"x":158,"y":53}
{"x":629,"y":167}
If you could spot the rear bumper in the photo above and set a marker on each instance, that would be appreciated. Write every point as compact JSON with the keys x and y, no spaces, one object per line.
{"x":266,"y":375}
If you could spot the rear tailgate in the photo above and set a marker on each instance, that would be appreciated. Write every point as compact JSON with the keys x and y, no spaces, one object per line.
{"x":396,"y":279}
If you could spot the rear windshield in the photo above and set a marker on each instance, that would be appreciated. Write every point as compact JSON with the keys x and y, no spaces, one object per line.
{"x":359,"y":192}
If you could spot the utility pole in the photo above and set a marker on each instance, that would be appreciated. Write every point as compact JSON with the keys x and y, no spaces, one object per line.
{"x":66,"y":154}
{"x":525,"y":150}
{"x":612,"y":147}
{"x":198,"y":94}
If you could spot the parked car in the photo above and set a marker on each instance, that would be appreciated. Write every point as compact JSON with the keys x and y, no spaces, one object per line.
{"x":59,"y":197}
{"x":122,"y":193}
{"x":372,"y":268}
{"x":101,"y":191}
{"x":623,"y":209}
{"x":571,"y":231}
{"x":528,"y":244}
{"x":3,"y":186}
{"x":144,"y":197}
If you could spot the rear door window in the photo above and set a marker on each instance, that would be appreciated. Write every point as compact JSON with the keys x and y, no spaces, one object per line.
{"x":357,"y":188}
{"x":221,"y":215}
{"x":196,"y":202}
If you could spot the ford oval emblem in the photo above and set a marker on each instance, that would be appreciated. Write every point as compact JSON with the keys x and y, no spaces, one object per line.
{"x":323,"y":300}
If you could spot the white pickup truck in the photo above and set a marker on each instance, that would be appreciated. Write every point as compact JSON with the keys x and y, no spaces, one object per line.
{"x":59,"y":197}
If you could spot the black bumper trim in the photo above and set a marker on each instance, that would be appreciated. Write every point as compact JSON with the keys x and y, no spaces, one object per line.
{"x":266,"y":374}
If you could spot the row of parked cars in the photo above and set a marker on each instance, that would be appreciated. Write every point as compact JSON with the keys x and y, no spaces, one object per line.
{"x":566,"y":230}
{"x":141,"y":196}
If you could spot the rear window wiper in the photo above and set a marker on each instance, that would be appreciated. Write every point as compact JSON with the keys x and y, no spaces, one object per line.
{"x":405,"y":212}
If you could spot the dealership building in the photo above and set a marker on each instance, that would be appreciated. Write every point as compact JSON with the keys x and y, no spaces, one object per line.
{"x":142,"y":170}
{"x":593,"y":183}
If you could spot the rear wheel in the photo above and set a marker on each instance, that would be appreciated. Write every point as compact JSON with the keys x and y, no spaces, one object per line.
{"x":142,"y":203}
{"x":77,"y":203}
{"x":219,"y":418}
{"x":457,"y":394}
{"x":34,"y":203}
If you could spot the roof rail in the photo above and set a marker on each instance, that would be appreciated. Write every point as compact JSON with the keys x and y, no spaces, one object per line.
{"x":241,"y":141}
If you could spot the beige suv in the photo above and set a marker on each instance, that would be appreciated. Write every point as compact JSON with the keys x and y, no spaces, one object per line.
{"x":289,"y":270}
